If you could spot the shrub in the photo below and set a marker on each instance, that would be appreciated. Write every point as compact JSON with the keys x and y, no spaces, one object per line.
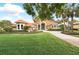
{"x":26,"y":28}
{"x":51,"y":29}
{"x":2,"y":30}
{"x":8,"y":29}
{"x":62,"y":27}
{"x":71,"y":33}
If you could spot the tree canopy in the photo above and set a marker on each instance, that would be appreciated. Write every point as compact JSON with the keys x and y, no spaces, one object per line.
{"x":43,"y":10}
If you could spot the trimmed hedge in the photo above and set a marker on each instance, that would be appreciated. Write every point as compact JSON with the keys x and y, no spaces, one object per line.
{"x":71,"y":33}
{"x":22,"y":32}
{"x":54,"y":29}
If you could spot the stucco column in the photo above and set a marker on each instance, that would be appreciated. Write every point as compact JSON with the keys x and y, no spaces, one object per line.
{"x":37,"y":26}
{"x":20,"y":26}
{"x":17,"y":27}
{"x":40,"y":25}
{"x":45,"y":26}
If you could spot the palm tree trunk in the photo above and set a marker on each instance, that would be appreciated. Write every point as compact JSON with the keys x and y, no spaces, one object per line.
{"x":72,"y":24}
{"x":68,"y":25}
{"x":64,"y":25}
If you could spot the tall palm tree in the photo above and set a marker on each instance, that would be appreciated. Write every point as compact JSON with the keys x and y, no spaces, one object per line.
{"x":72,"y":8}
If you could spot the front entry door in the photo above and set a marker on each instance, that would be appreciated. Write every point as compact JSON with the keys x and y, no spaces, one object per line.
{"x":43,"y":26}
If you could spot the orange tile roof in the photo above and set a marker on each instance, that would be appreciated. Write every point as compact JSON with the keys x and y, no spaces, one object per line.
{"x":26,"y":23}
{"x":20,"y":21}
{"x":29,"y":24}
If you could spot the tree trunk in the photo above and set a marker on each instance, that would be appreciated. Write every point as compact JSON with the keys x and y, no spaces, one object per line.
{"x":68,"y":25}
{"x":64,"y":25}
{"x":72,"y":22}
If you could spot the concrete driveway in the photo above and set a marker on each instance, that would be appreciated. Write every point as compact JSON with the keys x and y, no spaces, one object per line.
{"x":68,"y":38}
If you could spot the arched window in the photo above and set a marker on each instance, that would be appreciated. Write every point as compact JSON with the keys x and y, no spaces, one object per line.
{"x":18,"y":27}
{"x":21,"y":26}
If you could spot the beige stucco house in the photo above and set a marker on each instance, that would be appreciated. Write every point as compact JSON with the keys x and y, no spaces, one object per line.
{"x":37,"y":25}
{"x":45,"y":24}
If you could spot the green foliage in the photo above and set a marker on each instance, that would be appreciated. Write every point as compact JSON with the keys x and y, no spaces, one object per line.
{"x":2,"y":30}
{"x":6,"y":25}
{"x":26,"y":28}
{"x":62,"y":27}
{"x":51,"y":29}
{"x":8,"y":29}
{"x":71,"y":33}
{"x":42,"y":10}
{"x":29,"y":8}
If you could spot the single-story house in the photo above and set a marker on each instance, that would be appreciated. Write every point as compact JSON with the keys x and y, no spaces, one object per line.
{"x":37,"y":25}
{"x":45,"y":24}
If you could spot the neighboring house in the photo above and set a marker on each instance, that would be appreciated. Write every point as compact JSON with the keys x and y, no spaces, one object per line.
{"x":45,"y":25}
{"x":76,"y":26}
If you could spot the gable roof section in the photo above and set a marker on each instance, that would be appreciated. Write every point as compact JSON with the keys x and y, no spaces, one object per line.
{"x":20,"y":21}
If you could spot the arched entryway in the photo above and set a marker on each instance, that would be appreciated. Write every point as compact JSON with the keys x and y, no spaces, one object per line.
{"x":42,"y":26}
{"x":38,"y":26}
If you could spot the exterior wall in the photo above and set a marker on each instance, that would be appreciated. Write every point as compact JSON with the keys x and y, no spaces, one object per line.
{"x":48,"y":24}
{"x":76,"y":26}
{"x":19,"y":26}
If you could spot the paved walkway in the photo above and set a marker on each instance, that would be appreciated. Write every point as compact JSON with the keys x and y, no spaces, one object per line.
{"x":68,"y":38}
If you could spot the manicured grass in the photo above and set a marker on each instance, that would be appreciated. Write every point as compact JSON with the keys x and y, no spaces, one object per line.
{"x":34,"y":44}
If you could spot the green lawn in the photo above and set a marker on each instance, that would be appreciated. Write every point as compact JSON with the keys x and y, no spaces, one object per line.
{"x":34,"y":44}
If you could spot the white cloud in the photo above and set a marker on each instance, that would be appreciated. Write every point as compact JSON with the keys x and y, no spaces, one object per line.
{"x":12,"y":9}
{"x":7,"y":18}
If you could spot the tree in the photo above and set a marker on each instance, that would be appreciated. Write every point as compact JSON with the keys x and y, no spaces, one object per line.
{"x":6,"y":25}
{"x":72,"y":11}
{"x":46,"y":10}
{"x":69,"y":10}
{"x":42,"y":10}
{"x":29,"y":9}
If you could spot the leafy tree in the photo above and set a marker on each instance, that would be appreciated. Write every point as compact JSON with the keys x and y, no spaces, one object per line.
{"x":6,"y":25}
{"x":46,"y":11}
{"x":42,"y":10}
{"x":8,"y":29}
{"x":72,"y":11}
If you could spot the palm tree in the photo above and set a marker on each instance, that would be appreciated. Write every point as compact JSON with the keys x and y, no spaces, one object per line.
{"x":72,"y":9}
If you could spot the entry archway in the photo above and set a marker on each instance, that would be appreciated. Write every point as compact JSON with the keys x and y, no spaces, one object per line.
{"x":42,"y":26}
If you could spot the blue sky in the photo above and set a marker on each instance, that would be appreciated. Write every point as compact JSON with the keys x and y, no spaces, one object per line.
{"x":13,"y":12}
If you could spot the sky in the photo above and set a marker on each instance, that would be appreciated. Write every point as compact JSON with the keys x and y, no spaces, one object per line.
{"x":13,"y":12}
{"x":39,"y":1}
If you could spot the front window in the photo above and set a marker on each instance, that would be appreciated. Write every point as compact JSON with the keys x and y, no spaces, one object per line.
{"x":18,"y":27}
{"x":21,"y":26}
